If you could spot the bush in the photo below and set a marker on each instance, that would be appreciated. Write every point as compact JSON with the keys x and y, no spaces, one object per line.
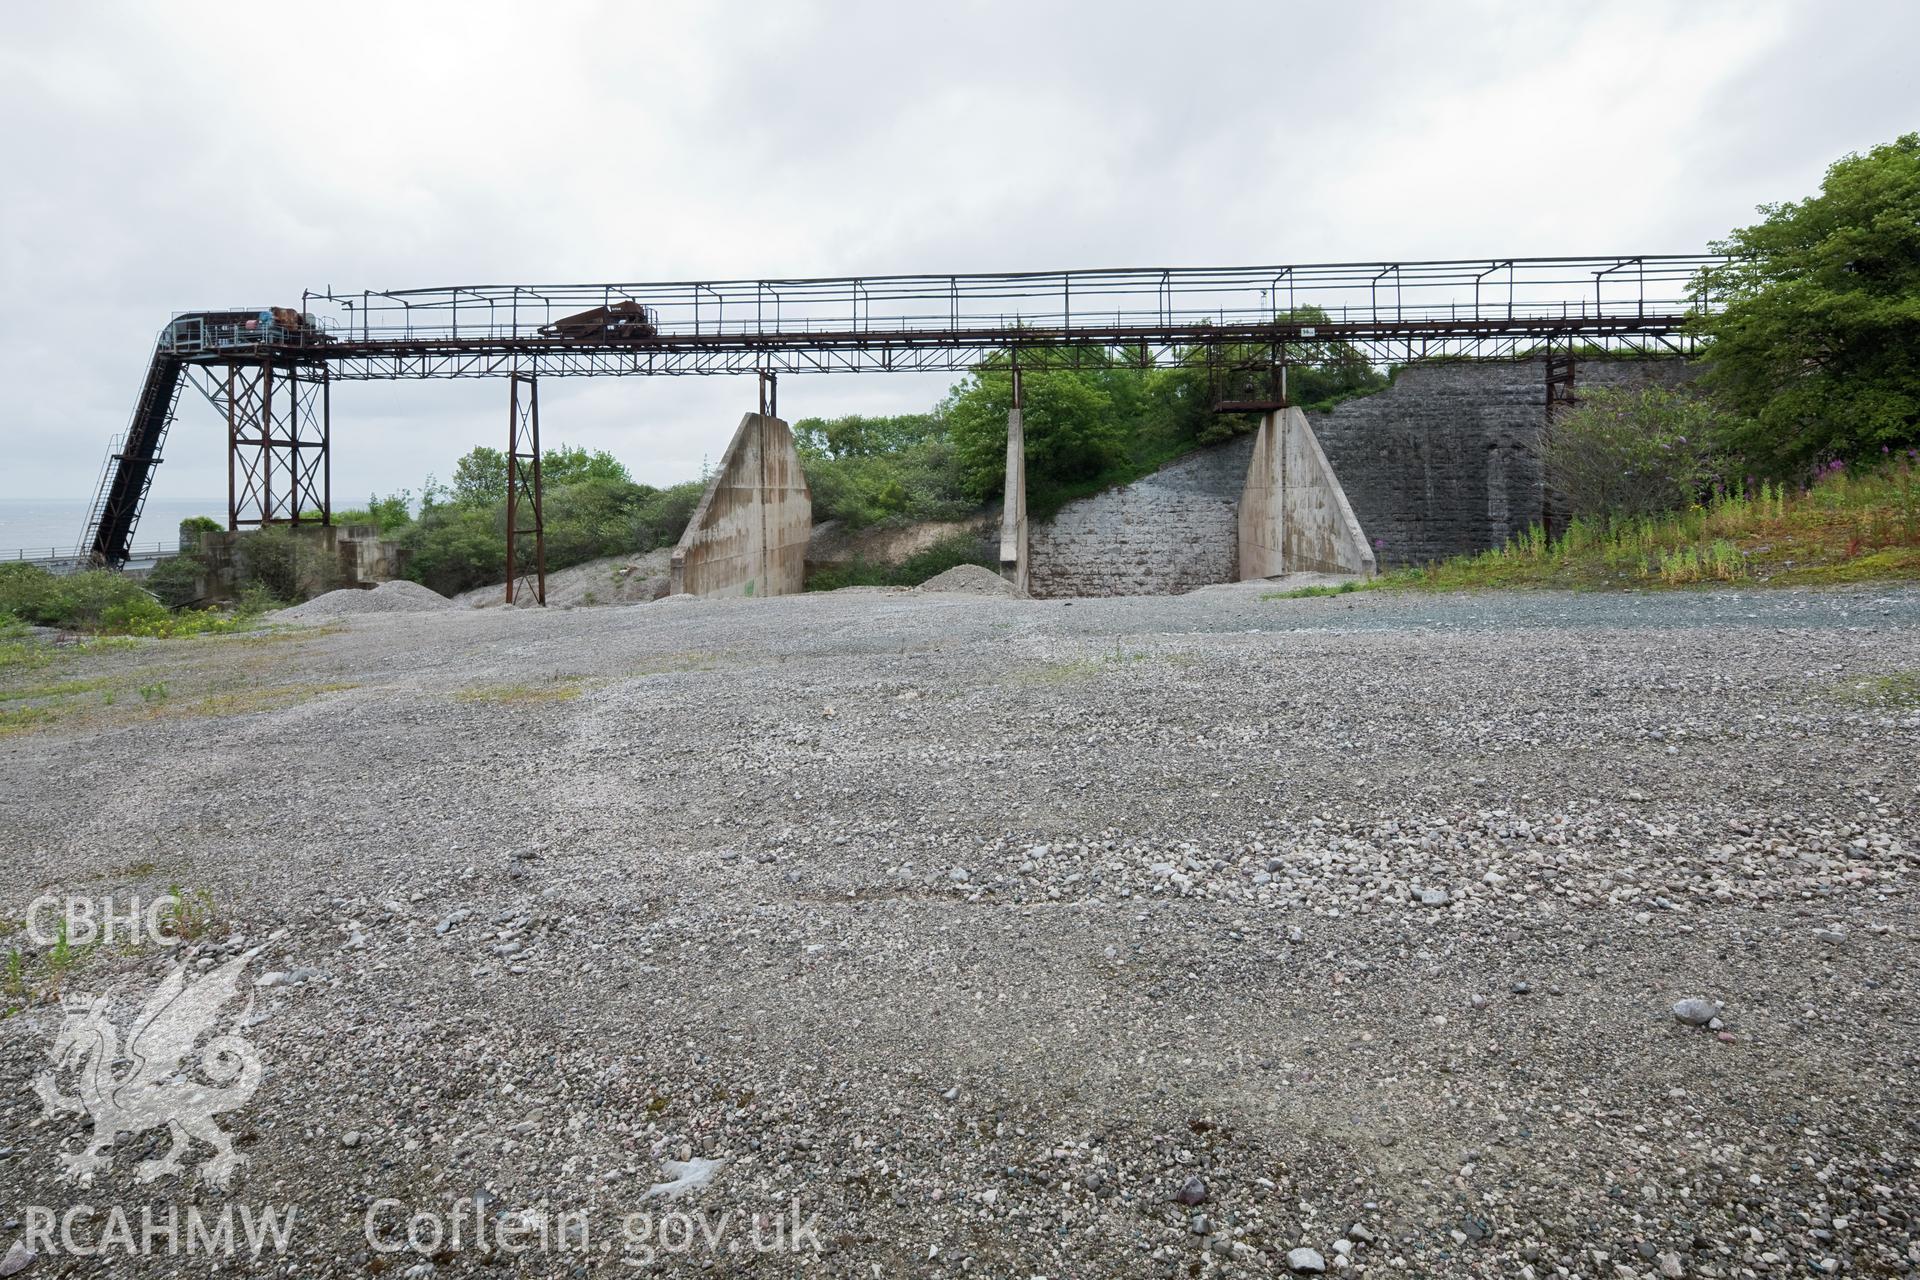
{"x":1622,"y":453}
{"x":175,"y":581}
{"x":591,"y":518}
{"x":921,"y":482}
{"x":75,"y":601}
{"x":390,"y":514}
{"x":287,"y":565}
{"x":662,"y":515}
{"x":457,"y":547}
{"x":943,"y":555}
{"x":96,"y":600}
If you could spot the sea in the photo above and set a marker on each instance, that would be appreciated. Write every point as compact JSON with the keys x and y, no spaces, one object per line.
{"x":31,"y":527}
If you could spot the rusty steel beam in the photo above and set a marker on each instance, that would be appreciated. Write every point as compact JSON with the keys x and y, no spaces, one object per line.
{"x":525,"y":517}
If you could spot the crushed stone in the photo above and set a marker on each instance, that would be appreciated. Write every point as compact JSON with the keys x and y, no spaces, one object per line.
{"x":398,"y":596}
{"x":970,"y":579}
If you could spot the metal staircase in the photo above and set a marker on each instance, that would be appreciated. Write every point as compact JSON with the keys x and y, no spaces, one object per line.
{"x":127,"y":473}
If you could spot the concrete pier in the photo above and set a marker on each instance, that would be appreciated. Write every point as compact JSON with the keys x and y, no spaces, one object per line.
{"x":1294,"y":516}
{"x":748,"y":536}
{"x":1014,"y":565}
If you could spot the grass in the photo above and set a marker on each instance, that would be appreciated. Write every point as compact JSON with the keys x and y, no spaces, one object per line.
{"x":24,"y":719}
{"x":1847,"y":526}
{"x":65,"y":689}
{"x":28,"y":979}
{"x":23,"y":655}
{"x":1897,"y":690}
{"x":90,"y":684}
{"x":244,"y":702}
{"x":1072,"y":670}
{"x":1303,"y":593}
{"x":559,"y":689}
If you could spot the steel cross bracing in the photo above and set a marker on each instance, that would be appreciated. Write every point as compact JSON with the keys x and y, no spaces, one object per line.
{"x":1391,"y":312}
{"x":279,"y":439}
{"x":526,"y":521}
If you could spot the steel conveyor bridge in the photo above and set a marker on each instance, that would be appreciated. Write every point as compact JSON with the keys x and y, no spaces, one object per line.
{"x":267,"y":370}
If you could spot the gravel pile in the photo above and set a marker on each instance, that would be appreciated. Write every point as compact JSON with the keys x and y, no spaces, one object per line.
{"x":1213,"y":936}
{"x":398,"y":596}
{"x":611,"y":580}
{"x":969,"y":579}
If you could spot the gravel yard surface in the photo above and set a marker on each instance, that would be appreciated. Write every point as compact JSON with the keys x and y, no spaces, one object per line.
{"x":1502,"y":935}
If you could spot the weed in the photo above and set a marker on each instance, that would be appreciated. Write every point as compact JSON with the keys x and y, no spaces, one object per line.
{"x":1849,"y":525}
{"x":1328,"y":589}
{"x":64,"y":689}
{"x":61,"y":958}
{"x":261,"y":698}
{"x":152,"y":693}
{"x":560,"y":689}
{"x":22,"y":719}
{"x":24,"y":655}
{"x":187,"y":916}
{"x":1896,"y":690}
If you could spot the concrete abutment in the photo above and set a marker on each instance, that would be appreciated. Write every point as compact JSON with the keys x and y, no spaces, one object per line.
{"x":748,"y":535}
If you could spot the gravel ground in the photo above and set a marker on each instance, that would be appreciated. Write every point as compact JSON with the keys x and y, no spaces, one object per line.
{"x":1195,"y":936}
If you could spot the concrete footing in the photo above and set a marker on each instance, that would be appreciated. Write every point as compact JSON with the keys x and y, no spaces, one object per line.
{"x":1014,"y":565}
{"x":1294,"y":516}
{"x":748,"y":536}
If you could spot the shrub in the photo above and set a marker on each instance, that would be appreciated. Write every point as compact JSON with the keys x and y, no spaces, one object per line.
{"x":1622,"y":453}
{"x":175,"y":581}
{"x":287,"y":565}
{"x":591,"y":518}
{"x":75,"y":601}
{"x":390,"y":514}
{"x":1072,"y":433}
{"x":457,"y":547}
{"x":662,"y":515}
{"x":96,"y":600}
{"x":945,"y":554}
{"x":921,"y":482}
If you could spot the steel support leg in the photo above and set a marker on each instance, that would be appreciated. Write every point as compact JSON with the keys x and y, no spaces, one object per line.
{"x":279,"y":443}
{"x":526,"y":566}
{"x":1560,"y":398}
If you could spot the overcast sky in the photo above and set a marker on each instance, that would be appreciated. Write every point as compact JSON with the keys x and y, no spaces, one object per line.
{"x":167,"y":157}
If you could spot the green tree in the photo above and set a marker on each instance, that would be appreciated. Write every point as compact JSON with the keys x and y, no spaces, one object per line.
{"x":1072,"y":433}
{"x":480,"y":477}
{"x":859,"y":436}
{"x":1817,"y":343}
{"x":570,"y":464}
